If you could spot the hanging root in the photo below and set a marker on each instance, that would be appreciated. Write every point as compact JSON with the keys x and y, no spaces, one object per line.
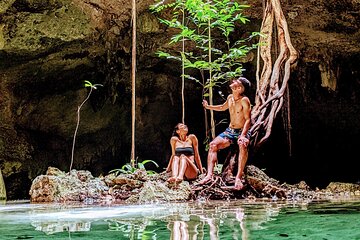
{"x":272,"y":82}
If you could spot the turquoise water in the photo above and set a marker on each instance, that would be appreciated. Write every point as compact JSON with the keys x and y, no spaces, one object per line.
{"x":326,"y":220}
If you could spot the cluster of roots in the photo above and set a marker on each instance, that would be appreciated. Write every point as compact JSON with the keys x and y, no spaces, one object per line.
{"x":256,"y":185}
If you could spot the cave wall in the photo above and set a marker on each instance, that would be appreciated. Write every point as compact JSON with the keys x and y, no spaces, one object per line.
{"x":324,"y":96}
{"x":48,"y":49}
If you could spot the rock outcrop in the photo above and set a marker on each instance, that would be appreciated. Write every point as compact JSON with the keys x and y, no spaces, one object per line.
{"x":81,"y":186}
{"x":48,"y":49}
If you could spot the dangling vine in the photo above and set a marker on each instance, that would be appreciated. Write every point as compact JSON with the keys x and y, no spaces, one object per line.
{"x":183,"y":65}
{"x":133,"y":75}
{"x":272,"y":82}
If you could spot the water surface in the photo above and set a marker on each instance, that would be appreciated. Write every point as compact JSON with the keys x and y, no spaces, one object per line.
{"x":323,"y":220}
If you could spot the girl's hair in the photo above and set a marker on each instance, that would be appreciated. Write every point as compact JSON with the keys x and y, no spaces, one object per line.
{"x":175,"y":129}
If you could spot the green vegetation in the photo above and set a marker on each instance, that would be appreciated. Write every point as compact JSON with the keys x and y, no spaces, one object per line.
{"x":128,"y":168}
{"x":207,"y":28}
{"x":92,"y":87}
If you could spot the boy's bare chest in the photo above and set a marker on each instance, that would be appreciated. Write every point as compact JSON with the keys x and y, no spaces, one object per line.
{"x":235,"y":105}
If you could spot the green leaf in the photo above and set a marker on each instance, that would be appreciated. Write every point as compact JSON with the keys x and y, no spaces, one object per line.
{"x":87,"y":83}
{"x":127,"y":168}
{"x":116,"y":171}
{"x":162,"y":54}
{"x":150,"y":161}
{"x":192,"y":78}
{"x":243,"y":20}
{"x":141,"y":166}
{"x":151,"y":172}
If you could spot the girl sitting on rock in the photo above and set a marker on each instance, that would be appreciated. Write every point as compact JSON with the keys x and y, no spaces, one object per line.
{"x":185,"y":160}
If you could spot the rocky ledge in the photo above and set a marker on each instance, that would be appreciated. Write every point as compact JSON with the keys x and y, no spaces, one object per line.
{"x":139,"y":187}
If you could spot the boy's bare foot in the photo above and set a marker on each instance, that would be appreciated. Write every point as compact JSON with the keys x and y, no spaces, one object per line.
{"x":229,"y":178}
{"x":238,"y":184}
{"x":205,"y":180}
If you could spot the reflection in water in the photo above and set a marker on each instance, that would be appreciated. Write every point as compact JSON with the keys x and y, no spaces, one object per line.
{"x":215,"y":220}
{"x":132,"y":228}
{"x":179,"y":230}
{"x":61,"y":226}
{"x":176,"y":221}
{"x":184,"y":221}
{"x":240,"y":216}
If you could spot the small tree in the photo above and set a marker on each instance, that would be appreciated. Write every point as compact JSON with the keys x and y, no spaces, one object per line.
{"x":222,"y":15}
{"x":203,"y":18}
{"x":92,"y":87}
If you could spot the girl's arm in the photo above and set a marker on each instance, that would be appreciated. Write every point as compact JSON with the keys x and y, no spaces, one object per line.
{"x":195,"y":144}
{"x":172,"y":143}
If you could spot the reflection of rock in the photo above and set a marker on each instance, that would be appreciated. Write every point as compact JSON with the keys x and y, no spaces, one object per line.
{"x":55,"y":227}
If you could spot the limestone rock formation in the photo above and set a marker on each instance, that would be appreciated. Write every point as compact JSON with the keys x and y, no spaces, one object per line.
{"x":48,"y":49}
{"x":138,"y":188}
{"x":57,"y":186}
{"x":81,"y":186}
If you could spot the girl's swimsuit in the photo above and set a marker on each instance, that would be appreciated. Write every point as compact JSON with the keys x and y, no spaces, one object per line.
{"x":187,"y":151}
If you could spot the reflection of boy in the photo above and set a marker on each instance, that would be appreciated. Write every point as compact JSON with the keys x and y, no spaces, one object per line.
{"x":240,"y":216}
{"x":179,"y":231}
{"x":238,"y":131}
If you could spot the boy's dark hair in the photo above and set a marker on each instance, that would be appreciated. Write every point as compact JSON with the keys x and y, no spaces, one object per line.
{"x":246,"y":83}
